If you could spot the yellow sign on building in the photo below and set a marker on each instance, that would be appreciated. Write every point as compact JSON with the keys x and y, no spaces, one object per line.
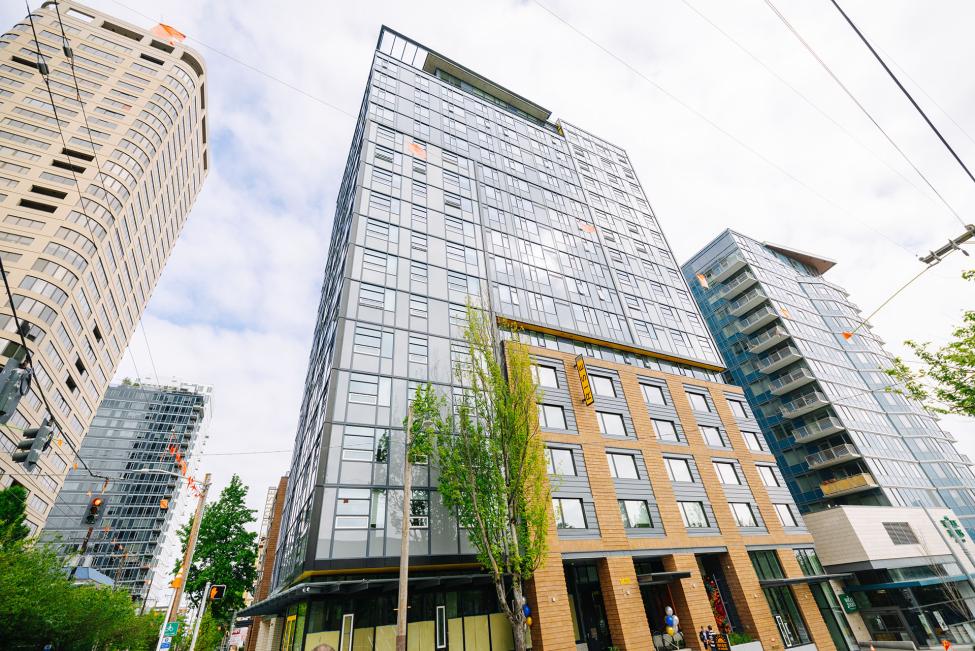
{"x":584,"y":378}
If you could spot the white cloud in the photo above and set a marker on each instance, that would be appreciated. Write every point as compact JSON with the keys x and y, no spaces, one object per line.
{"x":236,"y":304}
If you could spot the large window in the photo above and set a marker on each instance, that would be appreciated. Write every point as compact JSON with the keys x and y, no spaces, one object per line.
{"x":665,"y":431}
{"x":635,"y":514}
{"x":678,"y":469}
{"x":738,"y":408}
{"x":754,"y":441}
{"x":900,"y":533}
{"x":546,"y":376}
{"x":780,"y":599}
{"x":768,"y":476}
{"x":611,"y":424}
{"x":712,"y":436}
{"x":622,"y":466}
{"x":726,"y":472}
{"x":560,"y":461}
{"x":568,"y":513}
{"x":654,"y":394}
{"x":786,"y":516}
{"x":693,"y":515}
{"x":698,"y":401}
{"x":551,"y":417}
{"x":809,"y":562}
{"x":602,"y":386}
{"x":743,"y":513}
{"x":420,"y":509}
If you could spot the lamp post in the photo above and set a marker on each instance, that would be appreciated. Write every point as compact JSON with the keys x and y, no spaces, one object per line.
{"x":404,"y":547}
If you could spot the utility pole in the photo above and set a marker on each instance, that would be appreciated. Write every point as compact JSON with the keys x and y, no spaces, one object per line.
{"x":953,"y":245}
{"x":404,"y":546}
{"x":184,"y":568}
{"x":199,"y":615}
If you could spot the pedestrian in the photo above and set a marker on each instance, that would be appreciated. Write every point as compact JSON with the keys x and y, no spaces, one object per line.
{"x":703,"y":637}
{"x":712,"y":639}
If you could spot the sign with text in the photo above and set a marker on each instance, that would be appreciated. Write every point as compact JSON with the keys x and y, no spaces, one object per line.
{"x":849,"y":603}
{"x":584,"y":378}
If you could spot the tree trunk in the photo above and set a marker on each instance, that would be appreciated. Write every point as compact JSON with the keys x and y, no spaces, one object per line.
{"x":518,"y":634}
{"x":518,"y":615}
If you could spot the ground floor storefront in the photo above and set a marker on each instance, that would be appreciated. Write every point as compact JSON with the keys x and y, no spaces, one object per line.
{"x":593,"y":604}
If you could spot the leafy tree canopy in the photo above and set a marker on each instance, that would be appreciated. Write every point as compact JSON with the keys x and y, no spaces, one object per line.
{"x":13,"y":507}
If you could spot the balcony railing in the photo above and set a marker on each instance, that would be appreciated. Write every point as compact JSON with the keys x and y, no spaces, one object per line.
{"x":791,"y":380}
{"x":804,"y":404}
{"x":833,"y":456}
{"x":737,"y":285}
{"x":766,"y":339}
{"x":852,"y":484}
{"x":746,"y":302}
{"x":818,"y":429}
{"x":778,"y":359}
{"x":726,"y":267}
{"x":757,"y":319}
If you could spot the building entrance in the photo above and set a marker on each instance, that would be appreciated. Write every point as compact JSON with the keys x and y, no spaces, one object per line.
{"x":588,"y":611}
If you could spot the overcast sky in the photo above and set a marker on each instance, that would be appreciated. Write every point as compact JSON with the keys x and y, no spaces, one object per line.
{"x":236,"y":303}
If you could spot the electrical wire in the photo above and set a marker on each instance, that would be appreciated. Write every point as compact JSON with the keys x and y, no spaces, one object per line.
{"x":906,"y":92}
{"x":717,"y":127}
{"x":863,"y":109}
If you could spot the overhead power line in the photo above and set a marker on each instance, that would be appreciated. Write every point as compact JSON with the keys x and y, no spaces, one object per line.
{"x":862,"y":108}
{"x":907,"y":93}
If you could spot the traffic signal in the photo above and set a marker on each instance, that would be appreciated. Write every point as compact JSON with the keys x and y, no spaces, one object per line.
{"x":36,"y":440}
{"x":14,"y":385}
{"x":94,"y":510}
{"x":216,"y":592}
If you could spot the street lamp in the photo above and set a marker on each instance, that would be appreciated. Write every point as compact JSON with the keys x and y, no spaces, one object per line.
{"x":404,"y":546}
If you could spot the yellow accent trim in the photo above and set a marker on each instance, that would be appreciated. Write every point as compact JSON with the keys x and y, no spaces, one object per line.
{"x":383,"y":570}
{"x":524,"y":325}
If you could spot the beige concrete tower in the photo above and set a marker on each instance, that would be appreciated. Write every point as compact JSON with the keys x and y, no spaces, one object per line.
{"x":94,"y":190}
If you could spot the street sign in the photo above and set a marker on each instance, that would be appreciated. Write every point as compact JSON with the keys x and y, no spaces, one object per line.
{"x":167,"y":642}
{"x":849,"y":603}
{"x":171,"y":629}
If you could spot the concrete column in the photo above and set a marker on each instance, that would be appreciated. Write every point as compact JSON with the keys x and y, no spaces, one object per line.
{"x":625,"y":613}
{"x":548,"y":597}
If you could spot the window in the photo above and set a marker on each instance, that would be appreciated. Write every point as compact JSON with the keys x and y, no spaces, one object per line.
{"x":653,"y":394}
{"x":363,"y":389}
{"x":368,"y":341}
{"x":780,"y":600}
{"x":712,"y":436}
{"x":602,"y":386}
{"x":665,"y":430}
{"x":726,"y":472}
{"x":551,"y":417}
{"x":809,"y":561}
{"x":611,"y":424}
{"x":376,"y":297}
{"x":743,"y":514}
{"x":546,"y":376}
{"x":635,"y":514}
{"x":786,"y":516}
{"x":738,"y":409}
{"x":559,"y":461}
{"x":678,"y":469}
{"x":768,"y":476}
{"x":420,"y":509}
{"x":419,"y":307}
{"x":753,"y":441}
{"x":568,"y":513}
{"x":360,"y":508}
{"x":622,"y":466}
{"x":692,"y":513}
{"x":418,"y":349}
{"x":698,"y":401}
{"x":900,"y":533}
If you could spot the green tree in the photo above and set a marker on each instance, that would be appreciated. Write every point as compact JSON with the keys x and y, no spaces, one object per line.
{"x":945,"y":382}
{"x":225,"y":552}
{"x":492,"y":465}
{"x":13,"y":507}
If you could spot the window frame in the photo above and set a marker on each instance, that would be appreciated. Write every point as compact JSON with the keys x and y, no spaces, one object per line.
{"x":628,"y":521}
{"x":686,"y":518}
{"x":559,"y":511}
{"x":601,"y":417}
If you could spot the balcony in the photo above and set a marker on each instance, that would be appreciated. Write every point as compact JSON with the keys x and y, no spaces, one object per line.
{"x":818,"y":429}
{"x":847,"y":485}
{"x":726,"y":267}
{"x":804,"y":404}
{"x":737,"y":285}
{"x":832,"y":456}
{"x":761,"y":317}
{"x":778,"y":359}
{"x":791,"y":380}
{"x":766,"y":339}
{"x":747,"y":302}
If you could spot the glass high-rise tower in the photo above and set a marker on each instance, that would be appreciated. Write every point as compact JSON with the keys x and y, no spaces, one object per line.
{"x":138,"y":429}
{"x":459,"y":190}
{"x":94,"y":191}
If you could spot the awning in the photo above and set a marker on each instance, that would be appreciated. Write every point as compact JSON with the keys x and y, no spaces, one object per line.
{"x":660,"y":578}
{"x":278,"y":603}
{"x":814,"y":578}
